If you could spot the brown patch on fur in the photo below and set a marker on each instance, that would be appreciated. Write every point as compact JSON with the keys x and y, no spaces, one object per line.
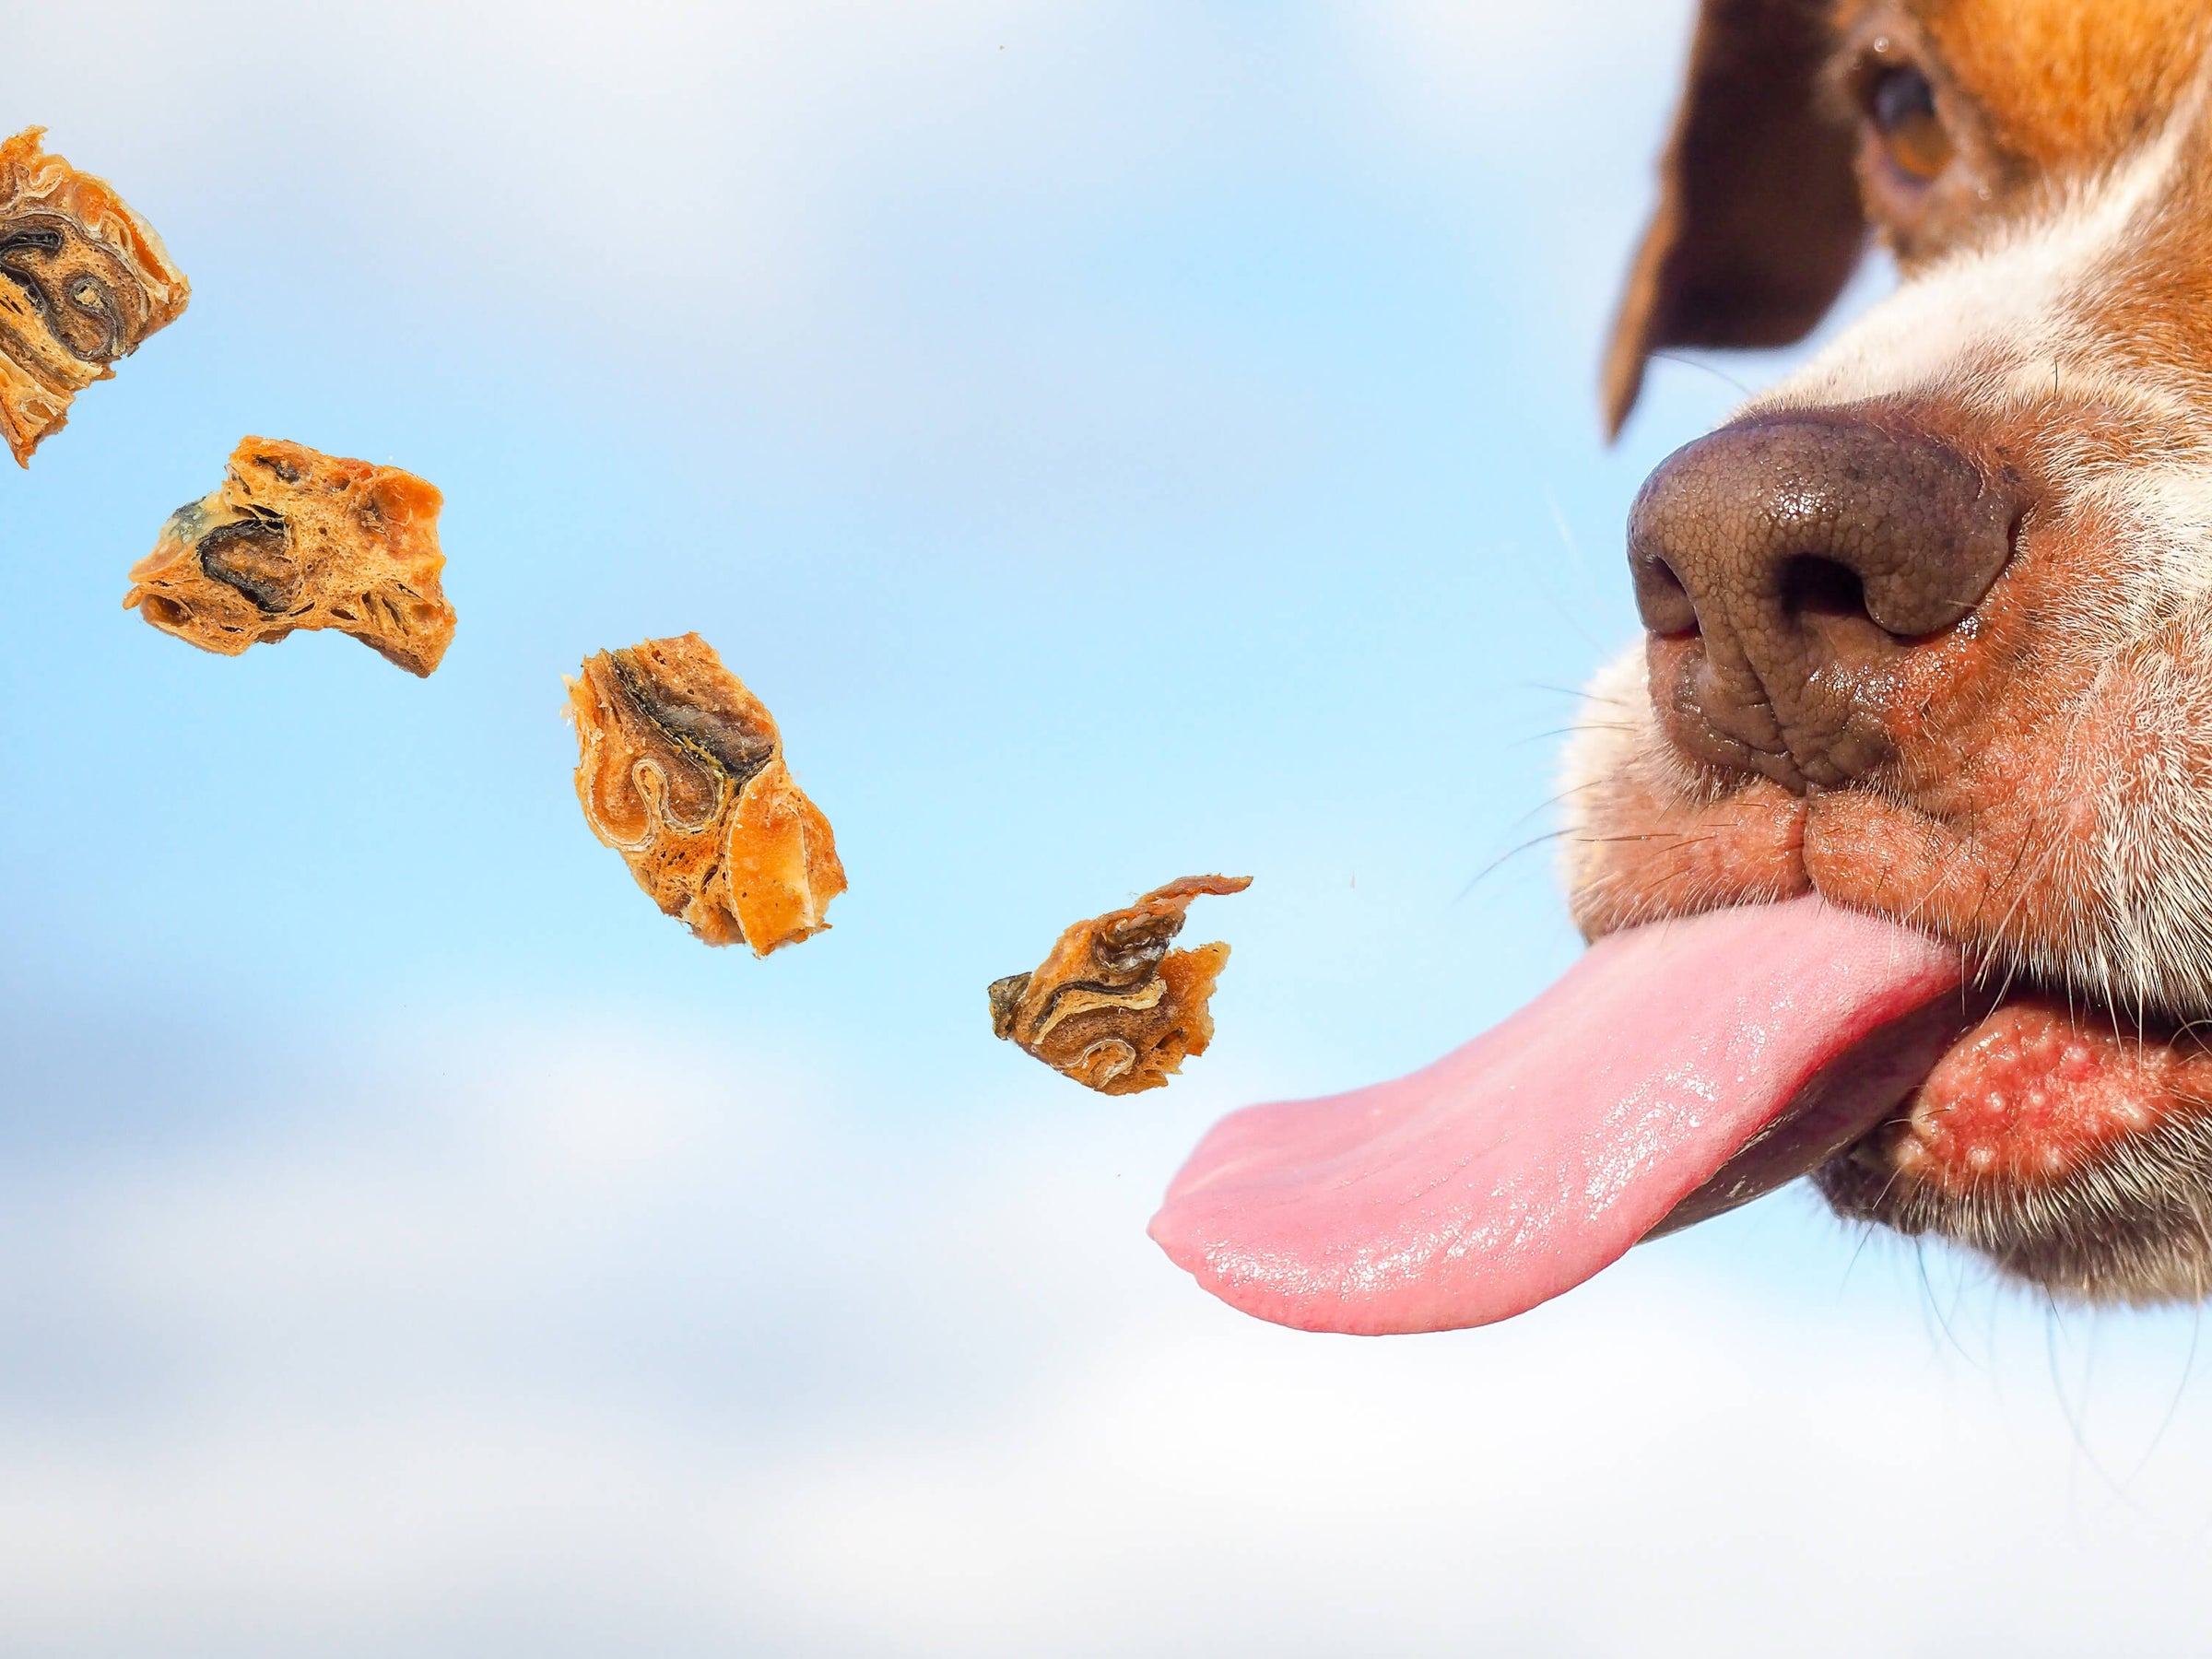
{"x":2032,"y":93}
{"x":2065,"y":82}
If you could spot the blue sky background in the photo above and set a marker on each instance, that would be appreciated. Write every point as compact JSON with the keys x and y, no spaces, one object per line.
{"x":1118,"y":440}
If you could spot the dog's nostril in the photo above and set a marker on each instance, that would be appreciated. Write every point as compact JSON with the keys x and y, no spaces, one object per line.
{"x":1662,"y":599}
{"x":1677,"y":610}
{"x":1813,"y":586}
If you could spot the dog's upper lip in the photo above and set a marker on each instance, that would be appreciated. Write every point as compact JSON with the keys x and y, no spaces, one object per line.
{"x":1527,"y":1161}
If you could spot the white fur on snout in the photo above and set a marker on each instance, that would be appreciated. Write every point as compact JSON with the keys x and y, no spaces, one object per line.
{"x":1615,"y":746}
{"x":2009,"y":311}
{"x":1612,"y":724}
{"x":2163,"y":567}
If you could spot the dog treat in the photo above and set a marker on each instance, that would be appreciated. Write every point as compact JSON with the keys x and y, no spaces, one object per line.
{"x":680,"y":770}
{"x":83,"y":281}
{"x":1112,"y":1006}
{"x":296,"y":539}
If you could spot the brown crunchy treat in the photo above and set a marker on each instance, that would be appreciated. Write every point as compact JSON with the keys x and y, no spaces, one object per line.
{"x":680,"y":770}
{"x":83,"y":281}
{"x":1112,"y":1006}
{"x":299,"y":539}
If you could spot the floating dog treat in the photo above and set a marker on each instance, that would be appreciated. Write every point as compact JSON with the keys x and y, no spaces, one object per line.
{"x":680,"y":770}
{"x":296,"y":539}
{"x":83,"y":281}
{"x":1112,"y":1006}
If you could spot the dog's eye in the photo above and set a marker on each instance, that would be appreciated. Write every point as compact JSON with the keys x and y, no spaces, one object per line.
{"x":1901,"y":105}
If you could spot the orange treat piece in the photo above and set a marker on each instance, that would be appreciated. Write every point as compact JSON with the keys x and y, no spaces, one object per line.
{"x":1112,"y":1006}
{"x":83,"y":281}
{"x":680,"y":770}
{"x":297,"y":539}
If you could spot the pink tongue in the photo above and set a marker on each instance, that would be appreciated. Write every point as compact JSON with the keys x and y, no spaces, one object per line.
{"x":1516,"y":1167}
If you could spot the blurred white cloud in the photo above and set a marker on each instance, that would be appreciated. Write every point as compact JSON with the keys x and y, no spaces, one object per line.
{"x":620,"y":1341}
{"x":1513,"y":76}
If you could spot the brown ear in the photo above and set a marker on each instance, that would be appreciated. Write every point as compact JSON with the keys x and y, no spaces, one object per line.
{"x":1758,"y":223}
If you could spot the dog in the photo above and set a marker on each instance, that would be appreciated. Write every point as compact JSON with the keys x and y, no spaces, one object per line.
{"x":1893,"y":836}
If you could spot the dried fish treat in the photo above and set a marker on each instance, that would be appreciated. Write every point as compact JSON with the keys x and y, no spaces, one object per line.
{"x":1112,"y":1006}
{"x":297,"y":539}
{"x":83,"y":281}
{"x":680,"y":770}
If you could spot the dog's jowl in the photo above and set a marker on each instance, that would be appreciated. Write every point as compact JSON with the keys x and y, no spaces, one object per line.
{"x":1893,"y":836}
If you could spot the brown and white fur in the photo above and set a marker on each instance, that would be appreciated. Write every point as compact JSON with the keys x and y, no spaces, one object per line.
{"x":2044,"y":798}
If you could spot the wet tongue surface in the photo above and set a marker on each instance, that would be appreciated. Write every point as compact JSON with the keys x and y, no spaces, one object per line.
{"x":1516,"y":1167}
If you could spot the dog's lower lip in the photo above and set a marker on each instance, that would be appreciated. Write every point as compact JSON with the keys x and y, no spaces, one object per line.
{"x":1844,"y":1103}
{"x":1841,"y":1112}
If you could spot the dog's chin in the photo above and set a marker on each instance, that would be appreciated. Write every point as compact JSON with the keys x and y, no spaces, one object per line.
{"x":2068,"y":1146}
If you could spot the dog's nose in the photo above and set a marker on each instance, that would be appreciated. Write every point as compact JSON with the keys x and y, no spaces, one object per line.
{"x":1786,"y":564}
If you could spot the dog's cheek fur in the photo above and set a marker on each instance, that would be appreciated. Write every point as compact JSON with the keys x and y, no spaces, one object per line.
{"x":2154,"y":852}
